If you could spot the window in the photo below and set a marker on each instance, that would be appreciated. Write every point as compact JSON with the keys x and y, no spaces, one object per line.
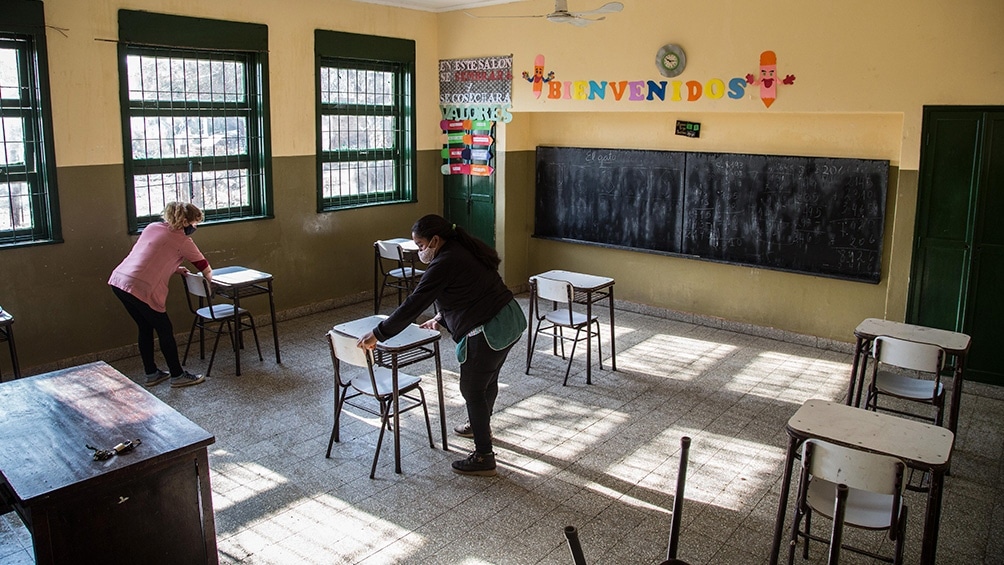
{"x":29,"y":211}
{"x":366,"y":121}
{"x":194,"y":120}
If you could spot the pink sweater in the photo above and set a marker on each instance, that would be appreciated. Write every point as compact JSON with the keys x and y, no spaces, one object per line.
{"x":158,"y":253}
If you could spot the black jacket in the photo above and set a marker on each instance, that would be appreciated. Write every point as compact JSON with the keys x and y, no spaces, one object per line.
{"x":466,"y":292}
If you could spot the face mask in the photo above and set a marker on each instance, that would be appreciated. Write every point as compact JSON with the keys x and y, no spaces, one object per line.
{"x":427,"y":255}
{"x":189,"y":230}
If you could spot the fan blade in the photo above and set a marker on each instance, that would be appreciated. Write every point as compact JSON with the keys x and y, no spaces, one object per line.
{"x":499,"y":17}
{"x":608,"y":8}
{"x":572,"y":19}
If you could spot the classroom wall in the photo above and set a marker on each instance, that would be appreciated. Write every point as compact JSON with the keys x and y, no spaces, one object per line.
{"x":863,"y":72}
{"x":64,"y":310}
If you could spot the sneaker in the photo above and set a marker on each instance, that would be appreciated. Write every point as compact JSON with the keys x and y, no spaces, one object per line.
{"x":464,"y":430}
{"x":480,"y":464}
{"x":156,"y":378}
{"x":186,"y":379}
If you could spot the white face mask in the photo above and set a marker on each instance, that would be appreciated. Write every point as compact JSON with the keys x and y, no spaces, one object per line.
{"x":427,"y":255}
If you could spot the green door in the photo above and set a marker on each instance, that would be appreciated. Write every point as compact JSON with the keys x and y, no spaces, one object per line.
{"x":958,"y":260}
{"x":469,"y":201}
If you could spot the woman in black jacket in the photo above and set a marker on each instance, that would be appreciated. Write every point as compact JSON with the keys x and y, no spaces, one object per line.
{"x":478,"y":310}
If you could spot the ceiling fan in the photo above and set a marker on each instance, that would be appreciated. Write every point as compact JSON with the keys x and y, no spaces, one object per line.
{"x":561,"y":15}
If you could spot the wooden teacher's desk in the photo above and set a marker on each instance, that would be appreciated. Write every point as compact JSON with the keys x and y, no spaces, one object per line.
{"x":150,"y":505}
{"x":955,"y":344}
{"x":921,"y":446}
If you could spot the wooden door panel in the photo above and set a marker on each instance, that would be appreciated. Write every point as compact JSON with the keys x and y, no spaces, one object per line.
{"x":941,"y":280}
{"x":951,"y":175}
{"x":985,"y":310}
{"x":985,"y":362}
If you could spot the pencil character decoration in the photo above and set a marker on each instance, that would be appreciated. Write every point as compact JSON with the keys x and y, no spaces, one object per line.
{"x":538,"y":79}
{"x":768,"y":78}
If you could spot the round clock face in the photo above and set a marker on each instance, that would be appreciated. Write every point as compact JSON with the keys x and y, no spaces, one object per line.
{"x":670,"y":60}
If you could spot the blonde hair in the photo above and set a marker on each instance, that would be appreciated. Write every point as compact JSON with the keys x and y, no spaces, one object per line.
{"x":176,"y":214}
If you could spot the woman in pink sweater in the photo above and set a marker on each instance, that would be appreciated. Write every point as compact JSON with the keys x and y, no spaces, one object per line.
{"x":140,"y":282}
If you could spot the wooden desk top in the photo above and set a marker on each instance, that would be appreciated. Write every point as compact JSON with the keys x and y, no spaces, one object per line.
{"x":952,"y":342}
{"x":919,"y":445}
{"x":412,"y":336}
{"x":580,"y":281}
{"x":47,"y":420}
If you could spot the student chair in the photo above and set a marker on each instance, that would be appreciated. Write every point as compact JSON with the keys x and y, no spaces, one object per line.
{"x":560,"y":317}
{"x":572,"y":534}
{"x":873,"y":499}
{"x":926,"y":361}
{"x":214,"y":317}
{"x":396,"y":271}
{"x":377,"y":383}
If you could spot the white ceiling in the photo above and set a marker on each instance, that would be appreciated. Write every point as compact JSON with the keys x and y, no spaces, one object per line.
{"x":439,"y":5}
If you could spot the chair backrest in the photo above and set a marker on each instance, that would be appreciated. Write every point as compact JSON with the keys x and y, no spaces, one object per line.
{"x":344,"y":349}
{"x":554,"y":290}
{"x":389,"y":250}
{"x":196,"y":284}
{"x":855,"y":468}
{"x":911,"y":355}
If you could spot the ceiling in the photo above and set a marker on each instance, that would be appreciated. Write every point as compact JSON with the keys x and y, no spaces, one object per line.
{"x":439,"y":5}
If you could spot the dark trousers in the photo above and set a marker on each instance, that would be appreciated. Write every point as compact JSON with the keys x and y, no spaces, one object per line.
{"x":479,"y":385}
{"x":150,"y":321}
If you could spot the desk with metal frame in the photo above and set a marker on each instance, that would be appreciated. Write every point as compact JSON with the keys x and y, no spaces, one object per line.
{"x":412,"y":345}
{"x":237,"y":282}
{"x":955,"y":344}
{"x":589,"y":289}
{"x":921,"y":446}
{"x":410,"y":252}
{"x":135,"y":507}
{"x":7,"y":334}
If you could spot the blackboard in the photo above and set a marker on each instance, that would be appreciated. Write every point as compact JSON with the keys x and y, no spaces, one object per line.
{"x":817,"y":215}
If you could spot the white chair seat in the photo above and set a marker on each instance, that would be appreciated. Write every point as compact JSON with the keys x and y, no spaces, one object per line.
{"x":218,"y":311}
{"x":864,"y":509}
{"x":384,"y":382}
{"x":405,"y":273}
{"x":560,"y":318}
{"x":907,"y":387}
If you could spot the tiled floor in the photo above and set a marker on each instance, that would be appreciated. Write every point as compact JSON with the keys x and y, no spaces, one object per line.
{"x":603,"y":457}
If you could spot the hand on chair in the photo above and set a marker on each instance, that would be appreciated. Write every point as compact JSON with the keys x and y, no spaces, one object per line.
{"x":368,"y":341}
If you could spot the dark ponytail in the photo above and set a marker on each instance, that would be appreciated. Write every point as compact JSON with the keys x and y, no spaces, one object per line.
{"x":432,"y":225}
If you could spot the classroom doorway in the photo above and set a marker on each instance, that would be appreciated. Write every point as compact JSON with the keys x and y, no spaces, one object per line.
{"x":958,"y":250}
{"x":469,"y":199}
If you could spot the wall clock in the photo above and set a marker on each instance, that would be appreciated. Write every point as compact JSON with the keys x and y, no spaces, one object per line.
{"x":670,"y":60}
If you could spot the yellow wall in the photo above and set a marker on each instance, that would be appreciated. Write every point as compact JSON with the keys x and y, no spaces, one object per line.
{"x":864,"y":70}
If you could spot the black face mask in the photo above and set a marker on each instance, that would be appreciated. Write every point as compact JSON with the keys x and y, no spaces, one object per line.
{"x":189,"y":230}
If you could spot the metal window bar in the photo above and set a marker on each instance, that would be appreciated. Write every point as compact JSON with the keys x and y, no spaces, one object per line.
{"x":364,"y":133}
{"x":196,"y":132}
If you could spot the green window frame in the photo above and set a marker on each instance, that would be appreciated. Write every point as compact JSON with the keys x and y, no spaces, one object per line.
{"x":365,"y":102}
{"x":29,"y":204}
{"x":194,"y":116}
